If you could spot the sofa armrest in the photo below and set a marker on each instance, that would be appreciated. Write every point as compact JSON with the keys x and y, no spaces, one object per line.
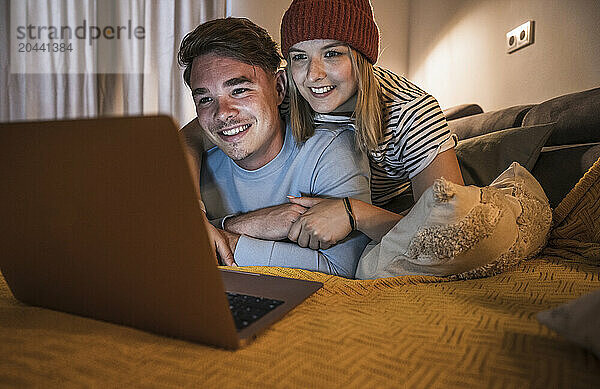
{"x":463,"y":110}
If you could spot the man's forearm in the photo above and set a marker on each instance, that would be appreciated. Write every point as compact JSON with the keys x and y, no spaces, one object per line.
{"x":271,"y":223}
{"x":341,"y":259}
{"x":245,"y":224}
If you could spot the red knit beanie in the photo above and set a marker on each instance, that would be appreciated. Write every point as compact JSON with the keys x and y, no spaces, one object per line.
{"x":348,"y":21}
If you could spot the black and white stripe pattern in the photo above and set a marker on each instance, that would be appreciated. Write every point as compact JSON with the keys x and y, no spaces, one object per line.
{"x":415,"y":131}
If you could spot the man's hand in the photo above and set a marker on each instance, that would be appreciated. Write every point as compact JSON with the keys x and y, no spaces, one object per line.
{"x":222,"y":243}
{"x":231,"y":242}
{"x":272,"y":223}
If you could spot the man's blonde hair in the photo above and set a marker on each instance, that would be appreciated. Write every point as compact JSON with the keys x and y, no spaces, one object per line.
{"x":367,"y":114}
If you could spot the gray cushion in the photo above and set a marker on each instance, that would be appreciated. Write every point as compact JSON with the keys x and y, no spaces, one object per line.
{"x":558,"y":170}
{"x":577,"y":117}
{"x":487,"y":122}
{"x":483,"y":158}
{"x":463,"y":110}
{"x":578,"y":321}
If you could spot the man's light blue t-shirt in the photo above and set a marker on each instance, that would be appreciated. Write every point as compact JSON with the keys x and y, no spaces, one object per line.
{"x":326,"y":165}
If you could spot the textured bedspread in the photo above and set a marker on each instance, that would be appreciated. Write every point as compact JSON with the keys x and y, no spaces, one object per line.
{"x":413,"y":331}
{"x":402,"y":332}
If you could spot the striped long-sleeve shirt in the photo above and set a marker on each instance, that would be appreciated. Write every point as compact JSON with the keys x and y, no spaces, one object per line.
{"x":414,"y":133}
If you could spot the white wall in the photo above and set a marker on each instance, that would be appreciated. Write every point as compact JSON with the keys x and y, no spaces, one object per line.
{"x":265,"y":13}
{"x":392,"y":17}
{"x":457,"y":50}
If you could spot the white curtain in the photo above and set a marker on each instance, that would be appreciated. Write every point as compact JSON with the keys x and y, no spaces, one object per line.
{"x":158,"y":88}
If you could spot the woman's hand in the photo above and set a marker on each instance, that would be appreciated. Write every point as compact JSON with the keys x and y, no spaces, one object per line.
{"x":321,"y":226}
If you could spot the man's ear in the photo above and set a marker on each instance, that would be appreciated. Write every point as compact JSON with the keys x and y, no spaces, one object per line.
{"x":280,"y":85}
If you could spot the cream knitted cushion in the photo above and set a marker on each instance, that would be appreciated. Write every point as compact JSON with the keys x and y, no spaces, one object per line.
{"x":465,"y":231}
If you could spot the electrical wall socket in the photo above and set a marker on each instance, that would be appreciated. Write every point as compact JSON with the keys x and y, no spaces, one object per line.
{"x":520,"y":37}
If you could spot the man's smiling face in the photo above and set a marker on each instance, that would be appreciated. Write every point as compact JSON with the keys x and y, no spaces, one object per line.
{"x":237,"y":108}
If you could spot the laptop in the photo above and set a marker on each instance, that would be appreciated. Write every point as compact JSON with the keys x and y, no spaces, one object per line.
{"x":100,"y":218}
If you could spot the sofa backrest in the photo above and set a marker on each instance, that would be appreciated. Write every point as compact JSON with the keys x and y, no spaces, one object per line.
{"x":570,"y":150}
{"x":577,"y":117}
{"x":484,"y":123}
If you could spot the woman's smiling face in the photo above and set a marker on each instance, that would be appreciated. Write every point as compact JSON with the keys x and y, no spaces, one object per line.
{"x":323,"y":73}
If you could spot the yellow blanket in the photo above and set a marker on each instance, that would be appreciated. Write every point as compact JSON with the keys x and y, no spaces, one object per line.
{"x":413,"y":332}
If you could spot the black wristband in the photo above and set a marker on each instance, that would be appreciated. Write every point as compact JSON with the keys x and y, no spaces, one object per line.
{"x":348,"y":207}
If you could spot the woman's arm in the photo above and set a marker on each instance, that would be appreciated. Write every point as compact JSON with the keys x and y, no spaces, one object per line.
{"x":327,"y":221}
{"x":444,"y":165}
{"x":373,"y":221}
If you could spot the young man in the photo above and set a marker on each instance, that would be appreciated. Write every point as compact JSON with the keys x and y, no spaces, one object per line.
{"x":232,"y":68}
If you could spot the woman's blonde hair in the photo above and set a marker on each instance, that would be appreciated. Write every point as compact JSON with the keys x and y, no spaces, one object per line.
{"x":367,"y":114}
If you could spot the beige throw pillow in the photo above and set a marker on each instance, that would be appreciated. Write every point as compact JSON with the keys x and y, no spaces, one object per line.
{"x":465,"y":231}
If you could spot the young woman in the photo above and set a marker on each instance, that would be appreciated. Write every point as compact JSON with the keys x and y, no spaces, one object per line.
{"x":331,"y":48}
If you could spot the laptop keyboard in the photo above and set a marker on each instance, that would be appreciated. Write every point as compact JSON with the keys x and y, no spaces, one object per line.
{"x":248,"y":309}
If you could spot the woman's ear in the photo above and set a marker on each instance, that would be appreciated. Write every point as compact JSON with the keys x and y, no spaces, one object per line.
{"x":280,"y":85}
